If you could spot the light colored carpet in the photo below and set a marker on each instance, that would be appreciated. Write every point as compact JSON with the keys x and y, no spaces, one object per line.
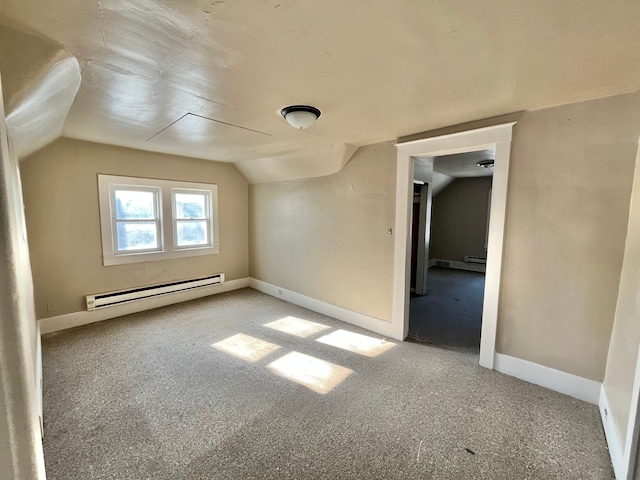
{"x":147,"y":397}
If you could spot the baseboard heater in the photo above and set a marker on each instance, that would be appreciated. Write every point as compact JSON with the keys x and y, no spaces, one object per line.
{"x":109,"y":299}
{"x":479,"y":260}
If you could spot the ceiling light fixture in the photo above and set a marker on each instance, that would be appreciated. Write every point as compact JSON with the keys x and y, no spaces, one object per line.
{"x":300,"y":116}
{"x":486,"y":163}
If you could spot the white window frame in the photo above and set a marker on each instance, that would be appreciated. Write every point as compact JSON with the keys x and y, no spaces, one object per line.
{"x":167,"y":229}
{"x":207,"y":219}
{"x":157,"y":221}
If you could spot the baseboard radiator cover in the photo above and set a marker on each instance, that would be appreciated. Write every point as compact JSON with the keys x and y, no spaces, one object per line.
{"x":472,"y":259}
{"x":472,"y":266}
{"x":109,"y":299}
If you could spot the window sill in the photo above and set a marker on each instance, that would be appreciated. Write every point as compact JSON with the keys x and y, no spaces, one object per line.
{"x":155,"y":256}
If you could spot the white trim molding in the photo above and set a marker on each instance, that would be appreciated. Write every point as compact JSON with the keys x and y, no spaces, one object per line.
{"x":373,"y":324}
{"x":612,"y":434}
{"x":497,"y":137}
{"x":39,"y":380}
{"x":76,"y":319}
{"x":623,"y":451}
{"x":556,"y":380}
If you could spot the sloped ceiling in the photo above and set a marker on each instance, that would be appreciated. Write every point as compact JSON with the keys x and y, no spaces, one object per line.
{"x":40,"y":80}
{"x":207,"y":78}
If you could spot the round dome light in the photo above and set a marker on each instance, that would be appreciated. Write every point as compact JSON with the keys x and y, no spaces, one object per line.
{"x":488,"y":163}
{"x":300,"y":116}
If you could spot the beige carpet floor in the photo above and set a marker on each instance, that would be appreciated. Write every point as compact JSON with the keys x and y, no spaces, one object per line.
{"x":245,"y":386}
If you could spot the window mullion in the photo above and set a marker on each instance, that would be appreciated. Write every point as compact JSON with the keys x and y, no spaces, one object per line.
{"x":167,"y":220}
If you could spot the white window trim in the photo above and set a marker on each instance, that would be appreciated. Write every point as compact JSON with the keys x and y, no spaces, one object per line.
{"x":157,"y":221}
{"x":167,"y":237}
{"x":175,"y":218}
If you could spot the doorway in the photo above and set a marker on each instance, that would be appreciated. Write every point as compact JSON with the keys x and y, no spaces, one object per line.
{"x":451,"y":198}
{"x":497,"y":137}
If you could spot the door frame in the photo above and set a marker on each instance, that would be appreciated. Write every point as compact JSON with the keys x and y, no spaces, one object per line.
{"x":496,"y":136}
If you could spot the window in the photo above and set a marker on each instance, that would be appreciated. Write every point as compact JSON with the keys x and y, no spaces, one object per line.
{"x":144,"y":219}
{"x":136,"y":219}
{"x":191,"y":216}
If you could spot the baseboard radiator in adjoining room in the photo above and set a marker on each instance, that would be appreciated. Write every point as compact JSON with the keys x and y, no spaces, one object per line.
{"x":473,"y":259}
{"x":472,"y":264}
{"x":109,"y":299}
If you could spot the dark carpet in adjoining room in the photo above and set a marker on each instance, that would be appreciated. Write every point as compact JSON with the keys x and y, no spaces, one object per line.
{"x":245,"y":386}
{"x":450,"y":314}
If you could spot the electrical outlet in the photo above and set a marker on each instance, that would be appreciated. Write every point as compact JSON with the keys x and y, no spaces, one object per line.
{"x":50,"y":307}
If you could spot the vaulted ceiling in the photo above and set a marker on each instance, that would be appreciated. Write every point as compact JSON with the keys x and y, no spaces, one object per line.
{"x":207,"y":78}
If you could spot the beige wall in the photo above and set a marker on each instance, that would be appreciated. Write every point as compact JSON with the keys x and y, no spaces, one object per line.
{"x":567,"y":210}
{"x":625,"y":338}
{"x":568,"y":204}
{"x":327,"y":237}
{"x":61,"y":198}
{"x":459,"y":219}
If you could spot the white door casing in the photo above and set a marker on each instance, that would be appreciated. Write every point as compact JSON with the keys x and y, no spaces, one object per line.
{"x":497,"y":137}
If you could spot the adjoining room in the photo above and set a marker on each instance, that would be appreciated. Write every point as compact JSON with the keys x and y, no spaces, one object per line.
{"x":452,"y":202}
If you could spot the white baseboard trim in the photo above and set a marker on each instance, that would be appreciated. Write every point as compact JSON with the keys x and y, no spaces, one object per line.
{"x":39,"y":380}
{"x":76,"y":319}
{"x":557,"y":380}
{"x":611,"y":432}
{"x":471,"y":267}
{"x":377,"y":325}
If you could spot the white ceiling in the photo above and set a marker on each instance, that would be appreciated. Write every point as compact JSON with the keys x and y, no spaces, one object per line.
{"x":464,"y":165}
{"x":441,"y":171}
{"x":207,"y":78}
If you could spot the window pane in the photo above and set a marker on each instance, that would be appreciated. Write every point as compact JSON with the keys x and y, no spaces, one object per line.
{"x":192,"y":233}
{"x":137,"y":236}
{"x":131,"y":204}
{"x":191,"y":205}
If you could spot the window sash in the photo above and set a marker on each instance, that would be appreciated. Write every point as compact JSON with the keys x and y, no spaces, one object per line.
{"x":157,"y":221}
{"x":132,"y":251}
{"x":206,"y":218}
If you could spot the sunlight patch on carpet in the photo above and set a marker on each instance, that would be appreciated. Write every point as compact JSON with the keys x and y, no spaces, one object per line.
{"x":356,"y":343}
{"x":297,"y":326}
{"x":315,"y":374}
{"x":246,"y":347}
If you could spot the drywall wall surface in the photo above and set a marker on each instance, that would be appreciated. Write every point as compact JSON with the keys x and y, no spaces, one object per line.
{"x":459,"y":219}
{"x":327,"y":237}
{"x":21,"y":456}
{"x":625,"y":338}
{"x":567,"y":211}
{"x":61,"y":198}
